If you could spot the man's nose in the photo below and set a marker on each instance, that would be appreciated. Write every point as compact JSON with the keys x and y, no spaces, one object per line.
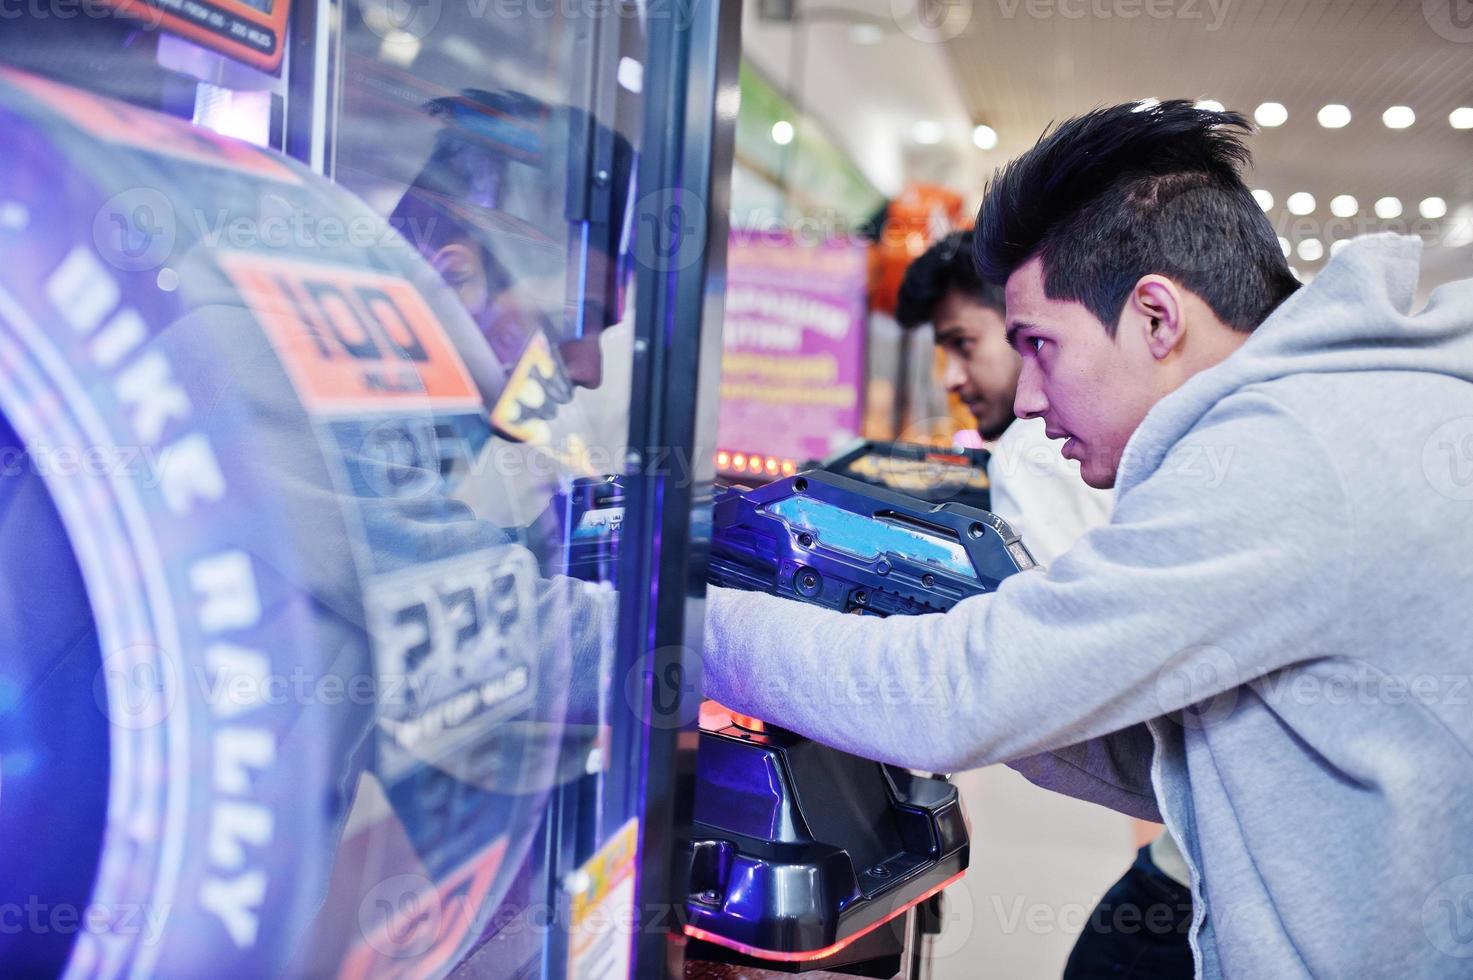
{"x":583,"y":361}
{"x":1029,"y":402}
{"x":952,"y":375}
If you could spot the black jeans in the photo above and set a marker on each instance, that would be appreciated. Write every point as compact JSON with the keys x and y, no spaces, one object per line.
{"x":1139,"y":929}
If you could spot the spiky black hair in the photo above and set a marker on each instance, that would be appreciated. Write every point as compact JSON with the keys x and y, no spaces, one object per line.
{"x":945,"y":267}
{"x":1134,"y":189}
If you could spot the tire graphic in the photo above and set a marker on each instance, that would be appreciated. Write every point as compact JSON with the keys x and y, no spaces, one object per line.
{"x":226,"y":559}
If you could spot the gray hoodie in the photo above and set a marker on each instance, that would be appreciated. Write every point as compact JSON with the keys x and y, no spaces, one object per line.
{"x":1269,"y":647}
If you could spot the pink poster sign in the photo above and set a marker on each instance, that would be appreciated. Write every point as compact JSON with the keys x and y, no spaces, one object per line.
{"x":792,"y":366}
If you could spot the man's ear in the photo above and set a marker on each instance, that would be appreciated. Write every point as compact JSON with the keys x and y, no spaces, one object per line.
{"x":1156,"y":303}
{"x":450,"y":260}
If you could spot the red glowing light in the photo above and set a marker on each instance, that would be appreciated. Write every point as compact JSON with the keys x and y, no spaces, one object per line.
{"x":786,"y":956}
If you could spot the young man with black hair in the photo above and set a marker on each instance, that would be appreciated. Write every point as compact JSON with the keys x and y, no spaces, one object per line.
{"x":1033,"y":487}
{"x":1043,"y":497}
{"x":1268,"y":645}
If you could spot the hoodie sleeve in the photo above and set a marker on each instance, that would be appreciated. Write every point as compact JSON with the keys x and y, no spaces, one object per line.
{"x":1113,"y":770}
{"x":1231,"y":560}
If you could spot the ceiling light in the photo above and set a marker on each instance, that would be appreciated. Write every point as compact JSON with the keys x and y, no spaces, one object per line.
{"x":1458,"y":232}
{"x":1461,"y":118}
{"x":782,"y":132}
{"x":1344,"y":206}
{"x":1301,"y":203}
{"x":1210,"y":105}
{"x":399,"y":48}
{"x":1432,"y":208}
{"x":1398,"y":117}
{"x":984,"y":137}
{"x":927,"y":132}
{"x":1388,"y":208}
{"x":866,"y":34}
{"x":1264,"y":198}
{"x":630,"y":73}
{"x":1285,"y":247}
{"x":1334,"y":116}
{"x":1311,"y":250}
{"x":1271,"y":114}
{"x":1337,"y":246}
{"x":1295,"y":273}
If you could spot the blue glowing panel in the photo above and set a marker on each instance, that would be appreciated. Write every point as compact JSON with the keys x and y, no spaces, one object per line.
{"x":866,"y":538}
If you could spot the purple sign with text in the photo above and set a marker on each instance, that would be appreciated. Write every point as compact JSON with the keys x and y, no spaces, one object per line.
{"x":792,"y":367}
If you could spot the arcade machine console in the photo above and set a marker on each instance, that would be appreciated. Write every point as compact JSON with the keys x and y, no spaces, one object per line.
{"x":938,"y":476}
{"x":801,"y":853}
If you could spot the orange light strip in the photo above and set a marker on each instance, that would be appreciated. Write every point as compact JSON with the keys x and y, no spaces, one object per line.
{"x":748,"y":722}
{"x":781,"y":956}
{"x":729,"y":461}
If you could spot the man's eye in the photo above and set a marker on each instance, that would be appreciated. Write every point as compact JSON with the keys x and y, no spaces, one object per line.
{"x":1035,"y":344}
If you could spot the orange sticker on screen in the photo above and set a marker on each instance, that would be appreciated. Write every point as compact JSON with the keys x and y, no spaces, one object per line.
{"x":352,"y":340}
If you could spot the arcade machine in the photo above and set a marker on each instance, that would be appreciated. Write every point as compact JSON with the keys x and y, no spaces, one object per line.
{"x":956,"y":474}
{"x":333,"y":647}
{"x":309,"y":310}
{"x":803,"y":855}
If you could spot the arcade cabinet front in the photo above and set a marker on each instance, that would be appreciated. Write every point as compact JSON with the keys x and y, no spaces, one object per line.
{"x":311,"y":314}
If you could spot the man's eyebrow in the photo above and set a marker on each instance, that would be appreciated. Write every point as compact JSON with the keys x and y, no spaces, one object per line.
{"x":1014,"y":327}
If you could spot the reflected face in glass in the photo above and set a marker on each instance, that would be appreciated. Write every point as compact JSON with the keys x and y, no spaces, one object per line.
{"x":583,"y":360}
{"x":506,"y":316}
{"x":981,"y":369}
{"x":463,"y":267}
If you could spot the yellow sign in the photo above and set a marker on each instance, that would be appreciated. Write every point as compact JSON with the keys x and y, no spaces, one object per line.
{"x":604,"y":918}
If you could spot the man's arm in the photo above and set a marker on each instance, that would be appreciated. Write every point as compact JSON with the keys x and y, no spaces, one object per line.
{"x":1230,"y":561}
{"x":1042,"y":495}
